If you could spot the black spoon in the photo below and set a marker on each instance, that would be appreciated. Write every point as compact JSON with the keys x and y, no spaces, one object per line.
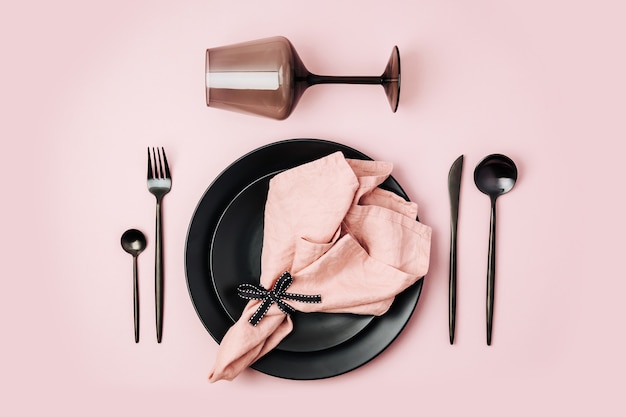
{"x":495,"y":175}
{"x":134,"y":242}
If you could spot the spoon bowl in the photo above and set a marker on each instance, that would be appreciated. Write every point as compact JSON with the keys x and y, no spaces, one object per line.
{"x":134,"y":242}
{"x":495,"y":175}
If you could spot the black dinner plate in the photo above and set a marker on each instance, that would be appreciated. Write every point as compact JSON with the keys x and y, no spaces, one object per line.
{"x":223,"y":249}
{"x":236,"y":257}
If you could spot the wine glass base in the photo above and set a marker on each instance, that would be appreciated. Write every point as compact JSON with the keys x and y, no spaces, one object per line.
{"x":391,"y":79}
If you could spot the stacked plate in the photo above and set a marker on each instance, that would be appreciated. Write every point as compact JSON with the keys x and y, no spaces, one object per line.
{"x":223,"y":249}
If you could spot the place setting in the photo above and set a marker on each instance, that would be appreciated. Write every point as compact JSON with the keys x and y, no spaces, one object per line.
{"x":304,"y":258}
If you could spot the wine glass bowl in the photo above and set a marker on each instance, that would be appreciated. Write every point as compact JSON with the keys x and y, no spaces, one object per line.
{"x":266,"y":77}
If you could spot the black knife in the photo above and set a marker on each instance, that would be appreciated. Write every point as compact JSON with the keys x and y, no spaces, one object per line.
{"x":454,"y":190}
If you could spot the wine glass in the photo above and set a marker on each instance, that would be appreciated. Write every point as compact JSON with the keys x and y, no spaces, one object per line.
{"x":266,"y":77}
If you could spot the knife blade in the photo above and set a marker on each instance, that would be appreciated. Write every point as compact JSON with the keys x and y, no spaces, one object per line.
{"x":454,"y":191}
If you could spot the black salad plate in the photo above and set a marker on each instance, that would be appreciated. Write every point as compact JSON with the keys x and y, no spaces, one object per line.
{"x":223,"y":249}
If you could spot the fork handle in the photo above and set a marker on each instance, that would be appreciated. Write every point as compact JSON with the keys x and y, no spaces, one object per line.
{"x":158,"y":274}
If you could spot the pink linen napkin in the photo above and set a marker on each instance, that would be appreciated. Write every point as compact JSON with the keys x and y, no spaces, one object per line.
{"x":340,"y":237}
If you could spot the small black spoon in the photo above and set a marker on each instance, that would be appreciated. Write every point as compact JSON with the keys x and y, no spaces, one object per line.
{"x":134,"y":242}
{"x":495,"y":175}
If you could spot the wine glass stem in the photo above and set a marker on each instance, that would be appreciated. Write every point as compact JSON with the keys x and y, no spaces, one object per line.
{"x":313,"y":79}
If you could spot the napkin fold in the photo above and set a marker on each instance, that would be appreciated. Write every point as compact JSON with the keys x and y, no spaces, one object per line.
{"x":341,"y":237}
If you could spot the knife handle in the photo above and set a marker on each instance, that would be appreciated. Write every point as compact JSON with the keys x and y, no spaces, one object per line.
{"x":452,"y":283}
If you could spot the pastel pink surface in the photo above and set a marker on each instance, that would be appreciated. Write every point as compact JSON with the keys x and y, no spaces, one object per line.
{"x":87,"y":86}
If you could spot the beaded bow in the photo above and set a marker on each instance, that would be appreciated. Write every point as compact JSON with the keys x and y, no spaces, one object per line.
{"x":276,"y":295}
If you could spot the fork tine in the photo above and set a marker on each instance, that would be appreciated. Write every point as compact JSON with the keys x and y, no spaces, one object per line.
{"x":150,"y":173}
{"x":160,"y":165}
{"x":167,"y":167}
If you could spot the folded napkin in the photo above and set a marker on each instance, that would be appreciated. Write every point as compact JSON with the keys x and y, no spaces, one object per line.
{"x":333,"y":242}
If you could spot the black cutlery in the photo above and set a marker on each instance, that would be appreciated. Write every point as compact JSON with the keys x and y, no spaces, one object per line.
{"x":495,"y":175}
{"x":134,"y":242}
{"x":454,"y":190}
{"x":159,"y":184}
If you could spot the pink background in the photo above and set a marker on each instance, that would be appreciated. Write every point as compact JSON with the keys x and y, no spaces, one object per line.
{"x":87,"y":86}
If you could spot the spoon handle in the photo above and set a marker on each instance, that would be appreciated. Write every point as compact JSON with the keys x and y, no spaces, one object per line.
{"x":135,"y":299}
{"x":491,"y":269}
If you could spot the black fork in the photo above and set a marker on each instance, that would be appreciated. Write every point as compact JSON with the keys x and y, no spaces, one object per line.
{"x":159,"y":184}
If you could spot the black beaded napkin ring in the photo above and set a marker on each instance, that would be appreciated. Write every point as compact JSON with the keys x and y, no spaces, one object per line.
{"x":276,"y":295}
